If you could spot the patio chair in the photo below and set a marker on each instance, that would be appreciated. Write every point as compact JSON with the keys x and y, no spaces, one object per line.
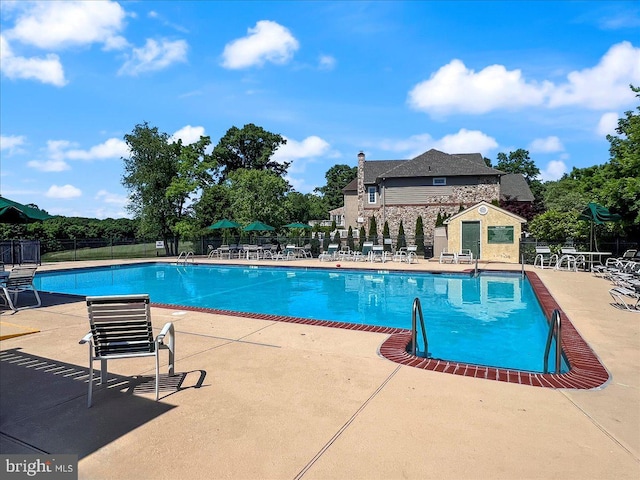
{"x":330,"y":254}
{"x":448,"y":257}
{"x":121,"y":328}
{"x":544,"y":258}
{"x":621,"y":295}
{"x":378,"y":254}
{"x":19,"y":280}
{"x":465,"y":256}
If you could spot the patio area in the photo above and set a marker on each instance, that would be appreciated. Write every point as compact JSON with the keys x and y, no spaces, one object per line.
{"x":260,"y":399}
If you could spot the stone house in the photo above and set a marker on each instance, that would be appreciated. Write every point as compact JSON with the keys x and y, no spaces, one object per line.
{"x":431,"y":183}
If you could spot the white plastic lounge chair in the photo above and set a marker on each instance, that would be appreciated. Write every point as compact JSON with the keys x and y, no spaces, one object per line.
{"x":20,"y":280}
{"x":544,"y":258}
{"x":465,"y":256}
{"x":621,"y":295}
{"x":330,"y":254}
{"x":121,"y":328}
{"x":448,"y":257}
{"x":378,"y":254}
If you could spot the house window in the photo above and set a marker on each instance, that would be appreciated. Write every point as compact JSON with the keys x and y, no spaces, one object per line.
{"x":372,"y":194}
{"x":440,"y":181}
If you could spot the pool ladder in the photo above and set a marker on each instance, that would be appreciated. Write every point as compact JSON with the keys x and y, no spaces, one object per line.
{"x":555,"y":327}
{"x":417,"y":310}
{"x":184,"y":257}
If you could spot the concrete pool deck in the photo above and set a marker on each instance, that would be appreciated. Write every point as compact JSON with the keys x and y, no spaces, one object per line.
{"x":264,"y":399}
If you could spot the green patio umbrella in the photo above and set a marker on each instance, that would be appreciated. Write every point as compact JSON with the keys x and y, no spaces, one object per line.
{"x":14,"y":212}
{"x":224,"y":223}
{"x":597,"y":215}
{"x":258,"y":226}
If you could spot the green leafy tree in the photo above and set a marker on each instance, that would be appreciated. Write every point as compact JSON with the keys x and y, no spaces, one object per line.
{"x":350,"y":241}
{"x":337,"y":239}
{"x":373,"y":231}
{"x":338,"y":177}
{"x":402,"y":240}
{"x":315,"y":245}
{"x":258,"y":195}
{"x":250,"y":148}
{"x":385,"y":235}
{"x":555,"y":227}
{"x":149,"y":171}
{"x":362,"y":237}
{"x":419,"y":236}
{"x":518,"y":162}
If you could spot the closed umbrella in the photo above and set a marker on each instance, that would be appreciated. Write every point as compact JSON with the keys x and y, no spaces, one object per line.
{"x":14,"y":212}
{"x":597,"y":215}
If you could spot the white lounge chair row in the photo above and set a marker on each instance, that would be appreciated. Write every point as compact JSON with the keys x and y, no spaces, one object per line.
{"x":370,"y":253}
{"x":464,"y":256}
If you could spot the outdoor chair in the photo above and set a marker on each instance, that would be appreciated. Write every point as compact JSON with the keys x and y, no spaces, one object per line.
{"x":448,"y":257}
{"x":330,"y":254}
{"x":19,"y":280}
{"x":378,"y":254}
{"x":544,"y":258}
{"x":621,"y":295}
{"x":121,"y":328}
{"x":465,"y":256}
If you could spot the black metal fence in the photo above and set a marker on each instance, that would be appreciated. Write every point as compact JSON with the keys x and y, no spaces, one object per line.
{"x":17,"y":252}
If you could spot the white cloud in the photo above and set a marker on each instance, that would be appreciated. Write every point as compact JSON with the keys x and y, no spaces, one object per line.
{"x":111,"y":198}
{"x":188,"y":134}
{"x":66,"y":191}
{"x":454,"y":88}
{"x":608,"y":124}
{"x":604,"y":86}
{"x":154,"y":56}
{"x":57,"y":25}
{"x":49,"y":165}
{"x":267,"y":42}
{"x":112,"y":148}
{"x":553,"y":171}
{"x":46,"y":70}
{"x":546,"y":145}
{"x":11,"y":143}
{"x":56,"y":148}
{"x":300,"y":153}
{"x":464,"y":141}
{"x":326,"y":62}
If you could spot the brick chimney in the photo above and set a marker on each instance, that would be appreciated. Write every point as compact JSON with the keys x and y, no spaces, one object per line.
{"x":361,"y":192}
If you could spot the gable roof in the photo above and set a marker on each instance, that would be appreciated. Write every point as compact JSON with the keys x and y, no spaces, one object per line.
{"x":488,"y":205}
{"x":432,"y":163}
{"x":352,"y":186}
{"x":513,"y":186}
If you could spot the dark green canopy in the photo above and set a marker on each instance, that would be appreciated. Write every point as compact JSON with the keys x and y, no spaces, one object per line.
{"x":14,"y":212}
{"x":258,"y":226}
{"x":224,"y":223}
{"x":597,"y":215}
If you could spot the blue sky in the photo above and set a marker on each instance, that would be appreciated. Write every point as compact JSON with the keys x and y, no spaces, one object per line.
{"x":392,"y":79}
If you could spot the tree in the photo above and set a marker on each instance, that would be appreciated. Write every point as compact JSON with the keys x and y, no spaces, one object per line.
{"x":518,"y":162}
{"x":362,"y":237}
{"x":338,"y":177}
{"x":402,"y":241}
{"x":257,"y":195}
{"x":373,"y":231}
{"x":385,"y":235}
{"x":149,"y":171}
{"x":350,"y":242}
{"x":419,"y":236}
{"x":250,"y":148}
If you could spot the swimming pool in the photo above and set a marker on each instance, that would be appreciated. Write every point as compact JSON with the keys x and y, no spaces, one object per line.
{"x":491,"y":320}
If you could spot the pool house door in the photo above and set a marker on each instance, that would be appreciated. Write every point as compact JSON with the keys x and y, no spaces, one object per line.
{"x":471,"y":237}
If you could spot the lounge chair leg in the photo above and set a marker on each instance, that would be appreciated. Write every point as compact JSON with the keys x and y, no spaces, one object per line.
{"x":103,"y":372}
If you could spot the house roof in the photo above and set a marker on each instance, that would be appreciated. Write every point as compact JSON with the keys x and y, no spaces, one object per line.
{"x":513,"y":186}
{"x":488,"y":205}
{"x":432,"y":163}
{"x":352,"y":186}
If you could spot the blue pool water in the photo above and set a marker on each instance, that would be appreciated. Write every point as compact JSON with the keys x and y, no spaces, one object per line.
{"x":493,"y":319}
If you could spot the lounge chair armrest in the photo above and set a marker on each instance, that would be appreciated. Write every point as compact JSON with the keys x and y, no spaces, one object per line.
{"x":167,"y":329}
{"x":86,"y":339}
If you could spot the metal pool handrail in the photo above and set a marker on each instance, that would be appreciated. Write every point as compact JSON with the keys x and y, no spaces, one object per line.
{"x":417,"y":308}
{"x":555,"y":328}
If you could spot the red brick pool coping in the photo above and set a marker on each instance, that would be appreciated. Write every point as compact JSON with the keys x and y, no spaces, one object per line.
{"x":586,"y":370}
